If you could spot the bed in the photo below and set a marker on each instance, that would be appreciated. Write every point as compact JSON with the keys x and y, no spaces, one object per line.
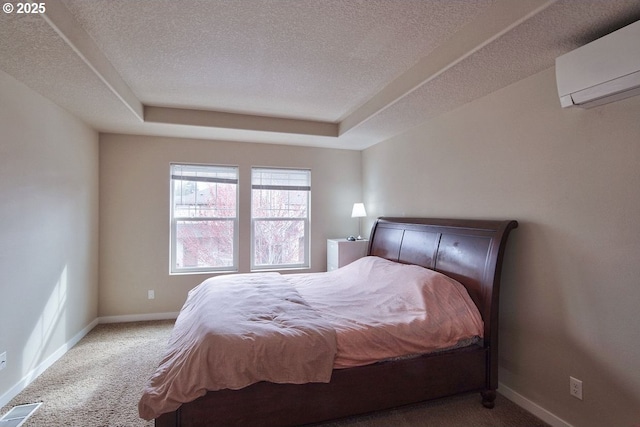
{"x":468,"y":251}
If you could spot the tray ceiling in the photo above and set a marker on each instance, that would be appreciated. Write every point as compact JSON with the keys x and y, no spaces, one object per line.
{"x":331,"y":73}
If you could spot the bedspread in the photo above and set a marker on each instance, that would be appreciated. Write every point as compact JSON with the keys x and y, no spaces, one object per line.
{"x":382,"y":309}
{"x":236,"y":330}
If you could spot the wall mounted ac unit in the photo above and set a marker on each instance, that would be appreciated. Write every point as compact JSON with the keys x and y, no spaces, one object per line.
{"x":603,"y":71}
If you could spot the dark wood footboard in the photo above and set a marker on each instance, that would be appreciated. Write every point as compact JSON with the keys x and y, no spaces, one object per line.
{"x":350,"y":392}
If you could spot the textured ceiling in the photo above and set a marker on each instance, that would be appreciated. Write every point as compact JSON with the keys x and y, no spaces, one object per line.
{"x":330,"y":73}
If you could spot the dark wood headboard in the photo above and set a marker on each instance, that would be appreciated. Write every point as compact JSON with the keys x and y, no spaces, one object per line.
{"x":470,"y":251}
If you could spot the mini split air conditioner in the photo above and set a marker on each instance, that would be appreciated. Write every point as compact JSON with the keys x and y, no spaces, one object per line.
{"x":603,"y":71}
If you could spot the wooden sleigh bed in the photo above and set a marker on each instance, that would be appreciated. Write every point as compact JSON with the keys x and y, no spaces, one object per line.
{"x":470,"y":251}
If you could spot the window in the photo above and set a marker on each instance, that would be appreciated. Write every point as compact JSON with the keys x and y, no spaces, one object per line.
{"x":204,"y":218}
{"x":280,"y":218}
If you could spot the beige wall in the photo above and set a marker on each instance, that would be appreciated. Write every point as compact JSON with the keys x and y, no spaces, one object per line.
{"x":571,"y":293}
{"x":134,"y":211}
{"x":48,"y":230}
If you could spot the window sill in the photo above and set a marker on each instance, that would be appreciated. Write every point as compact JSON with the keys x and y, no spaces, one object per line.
{"x":277,"y":270}
{"x":202,"y":273}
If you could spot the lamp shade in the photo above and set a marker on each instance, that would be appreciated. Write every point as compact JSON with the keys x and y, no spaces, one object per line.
{"x":358,"y":211}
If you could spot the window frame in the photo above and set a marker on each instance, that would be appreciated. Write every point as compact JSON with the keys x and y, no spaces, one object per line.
{"x":173,"y":241}
{"x":306,"y":221}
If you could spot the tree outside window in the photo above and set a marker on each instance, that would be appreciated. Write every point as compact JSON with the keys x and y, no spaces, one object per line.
{"x":204,"y":218}
{"x":280,"y":200}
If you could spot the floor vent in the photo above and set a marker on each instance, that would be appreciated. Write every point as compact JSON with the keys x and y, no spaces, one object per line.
{"x":18,"y":415}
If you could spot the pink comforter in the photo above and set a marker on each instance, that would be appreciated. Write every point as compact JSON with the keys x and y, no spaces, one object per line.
{"x":234,"y":331}
{"x":239,"y":329}
{"x":382,"y":309}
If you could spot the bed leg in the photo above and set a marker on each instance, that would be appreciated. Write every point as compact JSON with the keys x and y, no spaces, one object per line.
{"x":488,"y":398}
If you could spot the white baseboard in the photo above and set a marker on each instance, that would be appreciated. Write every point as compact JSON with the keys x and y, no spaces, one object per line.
{"x":44,"y":365}
{"x":138,"y":317}
{"x":532,"y":407}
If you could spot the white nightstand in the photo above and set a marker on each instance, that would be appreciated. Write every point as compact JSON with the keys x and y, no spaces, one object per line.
{"x":341,"y":252}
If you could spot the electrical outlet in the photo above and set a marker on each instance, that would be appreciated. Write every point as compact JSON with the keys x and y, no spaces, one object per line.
{"x":151,"y":294}
{"x":575,"y":388}
{"x":3,"y":360}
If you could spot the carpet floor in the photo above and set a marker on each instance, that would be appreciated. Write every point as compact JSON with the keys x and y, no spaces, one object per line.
{"x":99,"y":381}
